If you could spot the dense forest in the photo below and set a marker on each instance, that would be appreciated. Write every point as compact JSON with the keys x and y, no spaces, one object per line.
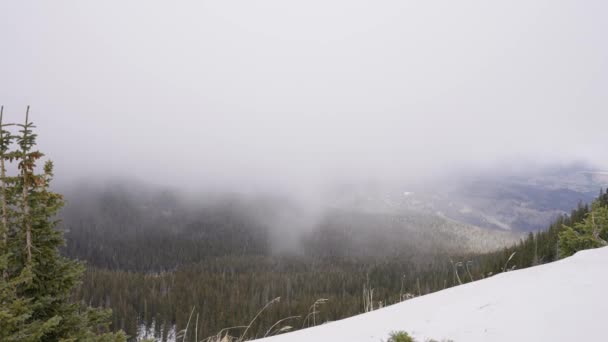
{"x":228,"y":171}
{"x":159,"y":265}
{"x":168,"y":265}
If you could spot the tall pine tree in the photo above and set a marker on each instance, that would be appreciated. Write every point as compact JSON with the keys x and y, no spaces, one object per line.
{"x":37,"y":281}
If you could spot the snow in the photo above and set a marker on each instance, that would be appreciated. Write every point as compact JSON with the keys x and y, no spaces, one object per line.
{"x":562,"y":301}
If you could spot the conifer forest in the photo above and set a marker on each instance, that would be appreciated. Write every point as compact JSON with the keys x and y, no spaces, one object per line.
{"x":303,"y":171}
{"x":156,"y":273}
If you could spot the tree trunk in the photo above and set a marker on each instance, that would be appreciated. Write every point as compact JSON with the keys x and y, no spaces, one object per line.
{"x":25,"y":205}
{"x":3,"y":190}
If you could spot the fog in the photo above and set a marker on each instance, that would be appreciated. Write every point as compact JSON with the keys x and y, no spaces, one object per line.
{"x":283,"y":94}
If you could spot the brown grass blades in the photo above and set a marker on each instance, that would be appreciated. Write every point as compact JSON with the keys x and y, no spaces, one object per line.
{"x":466,"y":265}
{"x":223,"y":335}
{"x":455,"y":267}
{"x":312,"y":311}
{"x":505,"y":268}
{"x":196,"y":329}
{"x":184,"y":333}
{"x":276,"y":300}
{"x":282,"y":329}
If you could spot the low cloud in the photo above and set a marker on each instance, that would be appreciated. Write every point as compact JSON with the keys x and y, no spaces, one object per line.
{"x":258,"y":95}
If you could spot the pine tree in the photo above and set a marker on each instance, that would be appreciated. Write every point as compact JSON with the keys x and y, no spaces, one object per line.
{"x":603,"y":199}
{"x":5,"y":142}
{"x":35,"y":294}
{"x":14,"y":310}
{"x":591,"y":232}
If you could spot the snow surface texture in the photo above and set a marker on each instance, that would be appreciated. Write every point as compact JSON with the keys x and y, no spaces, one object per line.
{"x":566,"y":300}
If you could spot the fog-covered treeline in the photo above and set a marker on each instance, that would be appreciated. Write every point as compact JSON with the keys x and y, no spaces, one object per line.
{"x":105,"y":226}
{"x":156,"y":258}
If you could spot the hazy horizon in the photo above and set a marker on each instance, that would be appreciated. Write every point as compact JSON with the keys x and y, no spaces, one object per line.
{"x":298,"y":95}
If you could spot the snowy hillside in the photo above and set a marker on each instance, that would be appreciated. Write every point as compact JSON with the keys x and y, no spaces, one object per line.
{"x":563,"y":301}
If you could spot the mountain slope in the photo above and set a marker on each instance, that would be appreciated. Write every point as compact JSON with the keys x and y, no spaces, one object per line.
{"x":561,"y":301}
{"x":148,"y":229}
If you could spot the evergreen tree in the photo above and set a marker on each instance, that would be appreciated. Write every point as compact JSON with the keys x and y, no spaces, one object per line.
{"x":38,"y":282}
{"x":603,"y":199}
{"x":591,"y":232}
{"x":5,"y":142}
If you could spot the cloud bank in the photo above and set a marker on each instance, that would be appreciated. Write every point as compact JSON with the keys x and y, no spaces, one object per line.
{"x":296,"y":94}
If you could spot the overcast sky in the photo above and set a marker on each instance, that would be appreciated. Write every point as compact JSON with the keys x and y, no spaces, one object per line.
{"x":231,"y":92}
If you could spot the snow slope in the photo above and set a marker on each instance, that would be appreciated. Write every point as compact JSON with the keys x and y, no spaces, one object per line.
{"x":563,"y":301}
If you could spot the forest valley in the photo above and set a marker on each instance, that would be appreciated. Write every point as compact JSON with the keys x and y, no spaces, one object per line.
{"x":213,"y":268}
{"x":165,"y":268}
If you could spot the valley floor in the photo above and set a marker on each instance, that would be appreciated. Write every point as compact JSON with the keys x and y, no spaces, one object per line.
{"x":565,"y":300}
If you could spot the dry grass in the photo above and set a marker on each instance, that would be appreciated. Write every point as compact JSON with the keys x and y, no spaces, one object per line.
{"x":224,"y":335}
{"x":312,"y":311}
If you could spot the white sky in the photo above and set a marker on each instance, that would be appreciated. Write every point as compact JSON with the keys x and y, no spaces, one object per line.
{"x":233,"y":92}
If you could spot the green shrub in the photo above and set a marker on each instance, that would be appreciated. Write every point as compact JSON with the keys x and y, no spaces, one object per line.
{"x":592,"y":232}
{"x":400,"y":336}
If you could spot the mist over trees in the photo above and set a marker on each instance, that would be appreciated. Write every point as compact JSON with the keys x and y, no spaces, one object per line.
{"x":154,"y":259}
{"x":296,"y":162}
